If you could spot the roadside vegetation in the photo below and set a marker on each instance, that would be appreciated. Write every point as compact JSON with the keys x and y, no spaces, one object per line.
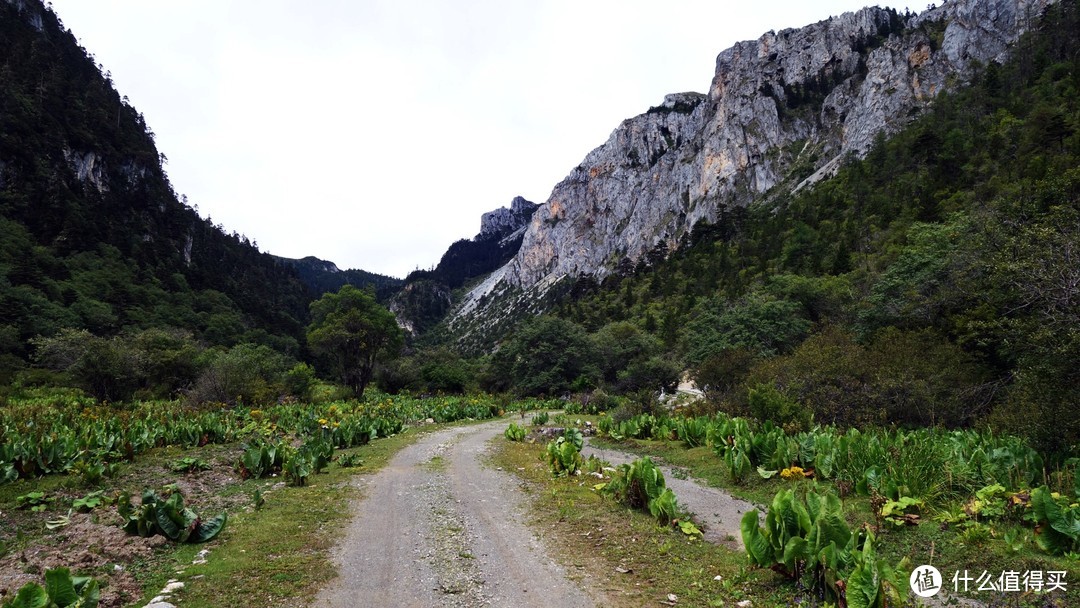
{"x":128,"y":493}
{"x":847,"y":513}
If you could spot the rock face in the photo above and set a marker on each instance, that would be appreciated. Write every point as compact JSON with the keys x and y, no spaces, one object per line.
{"x":505,"y":222}
{"x":782,"y":112}
{"x":426,"y":298}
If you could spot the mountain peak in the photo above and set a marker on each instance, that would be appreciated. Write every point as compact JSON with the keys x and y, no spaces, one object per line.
{"x":782,"y":111}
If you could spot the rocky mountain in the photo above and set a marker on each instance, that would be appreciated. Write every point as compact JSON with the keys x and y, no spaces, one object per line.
{"x":782,"y":112}
{"x":426,"y":296}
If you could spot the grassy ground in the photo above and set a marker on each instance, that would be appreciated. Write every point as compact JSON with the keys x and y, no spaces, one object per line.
{"x":950,"y":548}
{"x":276,"y":555}
{"x":625,"y":554}
{"x":279,"y":554}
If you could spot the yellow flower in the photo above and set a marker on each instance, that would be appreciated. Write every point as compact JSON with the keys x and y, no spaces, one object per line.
{"x":792,"y":473}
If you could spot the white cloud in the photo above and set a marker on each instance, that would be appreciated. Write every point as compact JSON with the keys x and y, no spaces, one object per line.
{"x":375,"y":133}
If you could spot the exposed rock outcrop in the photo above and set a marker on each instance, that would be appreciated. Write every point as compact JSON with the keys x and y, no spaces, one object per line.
{"x":782,"y":112}
{"x":506,"y":222}
{"x":426,"y":297}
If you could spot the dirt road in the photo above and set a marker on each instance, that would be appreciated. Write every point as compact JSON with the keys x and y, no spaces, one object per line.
{"x":438,"y":528}
{"x":720,"y":512}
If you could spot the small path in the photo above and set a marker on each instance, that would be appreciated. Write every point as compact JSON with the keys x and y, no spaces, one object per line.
{"x":437,"y":528}
{"x":719,"y":512}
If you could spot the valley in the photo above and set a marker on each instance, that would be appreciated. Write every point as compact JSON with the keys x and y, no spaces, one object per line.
{"x":857,"y":248}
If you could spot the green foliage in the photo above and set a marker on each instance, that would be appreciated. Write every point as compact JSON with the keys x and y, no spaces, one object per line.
{"x":299,"y":381}
{"x":309,"y":459}
{"x":563,"y":457}
{"x":808,"y":539}
{"x":767,"y":403}
{"x":640,"y":485}
{"x":261,"y":459}
{"x":915,"y":378}
{"x":759,"y":322}
{"x":352,"y":331}
{"x":89,"y":502}
{"x":546,"y":356}
{"x":189,"y":464}
{"x":34,"y":501}
{"x":349,"y":459}
{"x":874,"y":583}
{"x":1057,"y":526}
{"x":515,"y":432}
{"x":692,"y":431}
{"x":898,"y":513}
{"x":245,"y":373}
{"x":61,"y":590}
{"x":168,"y":517}
{"x":540,"y":418}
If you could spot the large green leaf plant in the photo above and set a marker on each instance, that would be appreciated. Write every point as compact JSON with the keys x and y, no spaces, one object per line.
{"x":807,"y":538}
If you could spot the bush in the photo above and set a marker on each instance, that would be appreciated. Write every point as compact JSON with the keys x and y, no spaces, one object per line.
{"x":168,"y":517}
{"x":913,"y":378}
{"x":299,"y":381}
{"x":640,"y":485}
{"x":546,"y":356}
{"x":563,"y":456}
{"x":61,"y":590}
{"x":514,"y":432}
{"x":244,"y":373}
{"x":767,"y":403}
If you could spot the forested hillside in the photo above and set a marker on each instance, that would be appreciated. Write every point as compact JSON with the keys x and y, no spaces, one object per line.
{"x":93,"y":235}
{"x":933,"y":282}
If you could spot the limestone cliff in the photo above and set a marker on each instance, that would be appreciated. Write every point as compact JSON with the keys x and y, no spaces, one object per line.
{"x":782,"y":111}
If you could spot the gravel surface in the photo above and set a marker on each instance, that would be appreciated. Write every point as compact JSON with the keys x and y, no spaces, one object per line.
{"x":719,"y":512}
{"x":438,"y":528}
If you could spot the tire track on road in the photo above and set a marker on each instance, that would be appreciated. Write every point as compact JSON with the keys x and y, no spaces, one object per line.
{"x":437,"y":528}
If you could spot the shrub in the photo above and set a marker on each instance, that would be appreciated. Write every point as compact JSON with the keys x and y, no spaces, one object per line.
{"x":168,"y":517}
{"x":767,"y":403}
{"x":247,"y":373}
{"x":808,"y":539}
{"x":640,"y":485}
{"x":515,"y":432}
{"x":563,"y":457}
{"x":299,"y":381}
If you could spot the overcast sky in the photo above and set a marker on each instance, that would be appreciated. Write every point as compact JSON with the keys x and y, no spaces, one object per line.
{"x":374,"y":133}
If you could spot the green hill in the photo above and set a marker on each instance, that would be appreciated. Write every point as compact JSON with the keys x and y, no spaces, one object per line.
{"x":92,"y":235}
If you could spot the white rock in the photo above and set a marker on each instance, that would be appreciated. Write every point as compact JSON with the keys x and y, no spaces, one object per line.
{"x":172,"y":587}
{"x":696,"y":155}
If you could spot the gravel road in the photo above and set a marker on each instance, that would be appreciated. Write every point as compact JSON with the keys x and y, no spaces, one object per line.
{"x":719,"y":512}
{"x":438,"y":528}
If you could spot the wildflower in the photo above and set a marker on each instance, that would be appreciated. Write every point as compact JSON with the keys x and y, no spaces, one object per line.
{"x":792,"y":473}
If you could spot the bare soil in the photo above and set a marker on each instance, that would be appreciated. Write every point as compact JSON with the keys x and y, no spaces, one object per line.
{"x":93,"y":543}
